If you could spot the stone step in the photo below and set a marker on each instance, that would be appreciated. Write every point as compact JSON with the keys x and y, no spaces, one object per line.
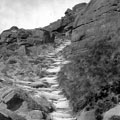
{"x":67,"y":111}
{"x":55,"y":69}
{"x":62,"y":104}
{"x":49,"y":79}
{"x":55,"y":86}
{"x":39,"y":84}
{"x":50,"y":95}
{"x":56,"y":92}
{"x":53,"y":66}
{"x":63,"y":99}
{"x":57,"y":63}
{"x":45,"y":89}
{"x":53,"y":93}
{"x":60,"y":115}
{"x":58,"y":60}
{"x":57,"y":118}
{"x":64,"y":109}
{"x":65,"y":62}
{"x":51,"y":76}
{"x":56,"y":102}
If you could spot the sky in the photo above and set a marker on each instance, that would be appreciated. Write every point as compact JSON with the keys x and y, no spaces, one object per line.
{"x":30,"y":14}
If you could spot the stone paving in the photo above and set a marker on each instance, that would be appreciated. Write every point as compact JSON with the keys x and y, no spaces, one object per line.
{"x":54,"y":93}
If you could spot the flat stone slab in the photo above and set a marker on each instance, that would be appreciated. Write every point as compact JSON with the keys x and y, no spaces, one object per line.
{"x":45,"y":89}
{"x":63,"y":99}
{"x":65,"y":62}
{"x":60,"y":114}
{"x":50,"y":96}
{"x":57,"y":92}
{"x":55,"y":69}
{"x":57,"y":118}
{"x":57,"y":63}
{"x":49,"y":79}
{"x":59,"y":101}
{"x":58,"y":60}
{"x":55,"y":86}
{"x":63,"y":104}
{"x":38,"y":84}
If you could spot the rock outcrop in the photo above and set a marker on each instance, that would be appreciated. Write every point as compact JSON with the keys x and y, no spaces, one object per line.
{"x":20,"y":40}
{"x":65,"y":24}
{"x":22,"y":36}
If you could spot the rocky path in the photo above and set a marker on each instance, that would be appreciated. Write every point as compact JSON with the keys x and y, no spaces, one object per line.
{"x":54,"y":93}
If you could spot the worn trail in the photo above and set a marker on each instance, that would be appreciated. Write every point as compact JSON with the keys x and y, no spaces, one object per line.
{"x":54,"y":93}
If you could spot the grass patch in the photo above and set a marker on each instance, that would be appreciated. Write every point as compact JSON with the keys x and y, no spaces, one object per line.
{"x":92,"y":79}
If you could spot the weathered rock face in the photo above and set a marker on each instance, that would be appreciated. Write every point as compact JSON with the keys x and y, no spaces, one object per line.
{"x":98,"y":16}
{"x":22,"y":36}
{"x":59,"y":25}
{"x":53,"y":26}
{"x":65,"y":24}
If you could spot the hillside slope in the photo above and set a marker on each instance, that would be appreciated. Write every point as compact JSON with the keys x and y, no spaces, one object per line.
{"x":91,"y":80}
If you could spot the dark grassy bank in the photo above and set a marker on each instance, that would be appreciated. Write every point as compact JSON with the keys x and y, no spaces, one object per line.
{"x":92,"y":79}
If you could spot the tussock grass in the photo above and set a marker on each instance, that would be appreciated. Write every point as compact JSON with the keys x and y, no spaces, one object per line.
{"x":92,"y":79}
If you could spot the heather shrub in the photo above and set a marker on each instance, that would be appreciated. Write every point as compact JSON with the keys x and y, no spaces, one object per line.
{"x":94,"y":80}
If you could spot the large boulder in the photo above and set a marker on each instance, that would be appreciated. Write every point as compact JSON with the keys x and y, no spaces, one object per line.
{"x":40,"y":35}
{"x":86,"y":115}
{"x":18,"y":104}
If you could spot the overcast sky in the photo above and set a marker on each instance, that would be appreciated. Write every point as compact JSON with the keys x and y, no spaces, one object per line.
{"x":32,"y":13}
